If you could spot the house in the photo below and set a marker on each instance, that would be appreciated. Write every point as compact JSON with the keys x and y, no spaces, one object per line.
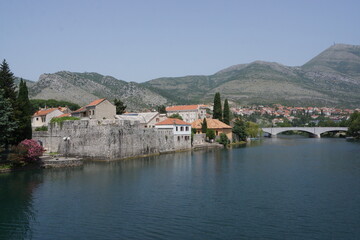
{"x":214,"y":124}
{"x":146,"y":119}
{"x":189,"y":113}
{"x":180,"y":129}
{"x":43,"y":117}
{"x":98,"y":109}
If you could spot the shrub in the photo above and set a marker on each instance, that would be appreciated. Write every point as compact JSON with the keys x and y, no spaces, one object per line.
{"x":18,"y":155}
{"x":210,"y":134}
{"x":33,"y":150}
{"x":43,"y":128}
{"x":223,"y":139}
{"x":61,"y":119}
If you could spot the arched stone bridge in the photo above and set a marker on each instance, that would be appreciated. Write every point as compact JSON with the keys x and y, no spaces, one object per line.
{"x":314,"y":131}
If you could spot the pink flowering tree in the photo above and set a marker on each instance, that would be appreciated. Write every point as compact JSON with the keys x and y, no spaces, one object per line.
{"x":34,"y":150}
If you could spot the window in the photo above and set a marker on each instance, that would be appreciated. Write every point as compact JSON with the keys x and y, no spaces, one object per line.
{"x":177,"y":129}
{"x":93,"y":112}
{"x":90,"y":112}
{"x":43,"y":118}
{"x":181,"y":129}
{"x":187,"y":129}
{"x":178,"y":138}
{"x":37,"y":119}
{"x":217,"y":133}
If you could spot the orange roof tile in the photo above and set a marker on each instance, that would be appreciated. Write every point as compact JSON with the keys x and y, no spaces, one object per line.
{"x":172,"y":121}
{"x":44,"y":112}
{"x":182,"y":108}
{"x":82,"y":109}
{"x":211,"y":124}
{"x":96,"y":102}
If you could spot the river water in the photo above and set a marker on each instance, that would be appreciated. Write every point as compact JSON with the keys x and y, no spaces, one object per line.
{"x":284,"y":188}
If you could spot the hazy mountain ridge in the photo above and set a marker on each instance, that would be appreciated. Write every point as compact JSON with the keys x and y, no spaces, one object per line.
{"x":83,"y":88}
{"x":331,"y":78}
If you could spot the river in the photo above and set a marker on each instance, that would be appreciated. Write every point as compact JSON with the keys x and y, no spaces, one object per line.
{"x":283,"y":188}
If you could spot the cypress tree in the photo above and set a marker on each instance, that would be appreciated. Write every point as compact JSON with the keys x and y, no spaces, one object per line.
{"x":226,"y":118}
{"x":120,"y":106}
{"x":217,"y":107}
{"x":24,"y":113}
{"x":204,"y":126}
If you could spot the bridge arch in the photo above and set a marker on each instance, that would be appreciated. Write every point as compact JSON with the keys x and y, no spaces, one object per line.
{"x":314,"y":131}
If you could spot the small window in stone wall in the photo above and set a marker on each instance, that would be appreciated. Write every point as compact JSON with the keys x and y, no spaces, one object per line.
{"x":93,"y":112}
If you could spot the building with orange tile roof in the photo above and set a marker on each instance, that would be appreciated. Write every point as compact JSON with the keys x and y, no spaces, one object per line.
{"x":97,"y":109}
{"x":181,"y":131}
{"x":43,"y":117}
{"x":189,"y":113}
{"x":214,"y":124}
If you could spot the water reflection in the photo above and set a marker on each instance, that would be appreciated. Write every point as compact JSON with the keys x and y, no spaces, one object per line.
{"x":16,"y":198}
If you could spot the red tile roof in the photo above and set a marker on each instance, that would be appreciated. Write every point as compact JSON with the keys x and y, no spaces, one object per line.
{"x":44,"y":112}
{"x":183,"y":108}
{"x":93,"y":103}
{"x":211,"y":124}
{"x":172,"y":121}
{"x":96,"y":102}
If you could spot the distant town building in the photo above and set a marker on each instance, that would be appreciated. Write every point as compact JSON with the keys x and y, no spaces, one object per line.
{"x":146,"y":119}
{"x":43,"y":117}
{"x":189,"y":113}
{"x":98,"y":109}
{"x":214,"y":124}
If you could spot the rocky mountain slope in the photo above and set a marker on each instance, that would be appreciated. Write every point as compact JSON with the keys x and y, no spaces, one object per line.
{"x":330,"y":79}
{"x":82,"y":88}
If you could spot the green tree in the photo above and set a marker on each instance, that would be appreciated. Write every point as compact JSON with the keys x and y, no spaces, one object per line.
{"x":120,"y":107}
{"x":226,"y":112}
{"x":239,"y":130}
{"x":217,"y":114}
{"x":7,"y":124}
{"x":210,"y":133}
{"x":354,"y":125}
{"x":204,"y":126}
{"x":176,"y":115}
{"x":161,"y":109}
{"x":24,"y":113}
{"x":7,"y":83}
{"x":252,"y":129}
{"x":224,"y":140}
{"x":36,"y":104}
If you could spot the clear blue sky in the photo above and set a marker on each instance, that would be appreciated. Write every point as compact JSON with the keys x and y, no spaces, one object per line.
{"x":139,"y":40}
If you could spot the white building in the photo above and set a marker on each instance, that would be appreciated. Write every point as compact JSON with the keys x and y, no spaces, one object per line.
{"x":43,"y":117}
{"x":189,"y":113}
{"x":181,"y":131}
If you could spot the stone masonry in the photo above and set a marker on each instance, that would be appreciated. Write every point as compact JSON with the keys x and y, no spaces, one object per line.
{"x":107,"y":139}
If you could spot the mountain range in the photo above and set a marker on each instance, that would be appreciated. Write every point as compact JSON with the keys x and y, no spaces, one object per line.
{"x":332,"y":78}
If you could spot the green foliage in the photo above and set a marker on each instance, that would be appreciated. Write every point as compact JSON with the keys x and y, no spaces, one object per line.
{"x":51,"y":103}
{"x":43,"y":128}
{"x":24,"y":113}
{"x":176,"y":115}
{"x":217,"y":107}
{"x":120,"y":106}
{"x":8,"y":125}
{"x":354,"y":125}
{"x":224,"y":139}
{"x":239,"y":130}
{"x":226,"y":118}
{"x":252,"y":129}
{"x":7,"y":82}
{"x":161,"y":109}
{"x":62,"y":119}
{"x":204,"y":126}
{"x":210,"y":133}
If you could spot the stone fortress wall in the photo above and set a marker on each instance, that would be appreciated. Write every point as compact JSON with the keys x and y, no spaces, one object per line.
{"x":108,"y":139}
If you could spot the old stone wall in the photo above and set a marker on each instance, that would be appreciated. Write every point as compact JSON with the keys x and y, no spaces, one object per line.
{"x":108,"y":139}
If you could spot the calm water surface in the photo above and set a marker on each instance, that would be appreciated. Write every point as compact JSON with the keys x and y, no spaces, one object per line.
{"x":295,"y":188}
